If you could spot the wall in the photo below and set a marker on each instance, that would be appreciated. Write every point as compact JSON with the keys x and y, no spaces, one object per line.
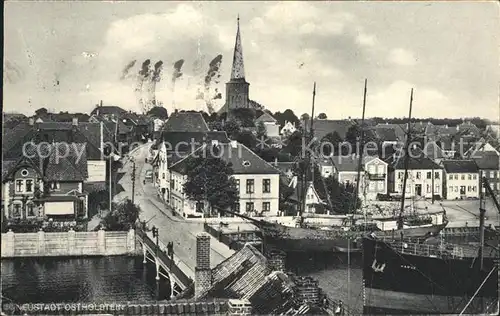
{"x":376,"y":178}
{"x":41,"y":244}
{"x":419,"y":177}
{"x":454,"y":181}
{"x":258,"y":197}
{"x":272,"y":129}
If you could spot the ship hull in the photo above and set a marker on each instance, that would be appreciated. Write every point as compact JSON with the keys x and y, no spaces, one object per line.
{"x":294,"y":239}
{"x":396,"y":283}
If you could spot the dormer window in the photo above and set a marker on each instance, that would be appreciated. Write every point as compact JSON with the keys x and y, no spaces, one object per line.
{"x":246,"y":163}
{"x":19,"y":185}
{"x":55,"y":185}
{"x":24,"y":173}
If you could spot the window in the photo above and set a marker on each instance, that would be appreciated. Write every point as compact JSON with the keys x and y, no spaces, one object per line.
{"x":381,"y":169}
{"x":55,"y":185}
{"x":19,"y":185}
{"x":456,"y":189}
{"x":373,"y":186}
{"x":266,"y":206}
{"x":24,"y":173}
{"x":429,"y":175}
{"x":494,"y":174}
{"x":474,"y":189}
{"x":266,"y":186}
{"x":237,"y":207}
{"x":428,"y":189}
{"x":16,"y":210}
{"x":470,"y":176}
{"x":468,"y":188}
{"x":463,"y":177}
{"x":250,"y":186}
{"x":419,"y":175}
{"x":436,"y":175}
{"x":30,"y":210}
{"x":450,"y":189}
{"x":163,"y":175}
{"x":371,"y":169}
{"x":456,"y":177}
{"x":29,"y":186}
{"x":486,"y":174}
{"x":400,"y":187}
{"x":380,"y":185}
{"x":238,"y":185}
{"x":450,"y":177}
{"x":249,"y":207}
{"x":400,"y":175}
{"x":199,"y":207}
{"x":437,"y":189}
{"x":474,"y":176}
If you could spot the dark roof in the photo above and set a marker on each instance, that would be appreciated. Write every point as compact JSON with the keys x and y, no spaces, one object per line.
{"x":242,"y":159}
{"x":107,"y":110}
{"x":88,"y":133}
{"x":415,"y":162}
{"x":185,"y":139}
{"x":136,"y":119}
{"x":266,"y":117}
{"x":349,"y":163}
{"x":385,"y":133}
{"x":324,"y":127}
{"x":460,"y":166}
{"x":487,"y":160}
{"x":186,"y":122}
{"x":70,"y":164}
{"x":7,"y":166}
{"x":433,"y":151}
{"x":11,"y":116}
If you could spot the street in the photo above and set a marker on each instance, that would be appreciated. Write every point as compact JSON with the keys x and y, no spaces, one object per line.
{"x":156,"y":213}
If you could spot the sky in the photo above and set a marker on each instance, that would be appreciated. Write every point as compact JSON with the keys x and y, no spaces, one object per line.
{"x":67,"y":56}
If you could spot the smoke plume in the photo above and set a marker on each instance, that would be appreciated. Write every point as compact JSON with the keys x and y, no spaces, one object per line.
{"x":176,"y":74}
{"x":155,"y":77}
{"x":143,"y":75}
{"x":127,"y":68}
{"x":213,"y":72}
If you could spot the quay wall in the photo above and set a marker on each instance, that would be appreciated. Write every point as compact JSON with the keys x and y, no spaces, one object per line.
{"x":71,"y":243}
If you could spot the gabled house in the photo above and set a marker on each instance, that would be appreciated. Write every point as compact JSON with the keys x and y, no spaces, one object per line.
{"x":315,"y":204}
{"x":46,"y":182}
{"x":424,"y":176}
{"x":489,"y":167}
{"x":288,"y":129}
{"x":173,"y":147}
{"x":270,"y":123}
{"x":257,"y":181}
{"x":461,"y":180}
{"x":326,"y":167}
{"x":107,"y":112}
{"x":93,"y":135}
{"x":373,"y":174}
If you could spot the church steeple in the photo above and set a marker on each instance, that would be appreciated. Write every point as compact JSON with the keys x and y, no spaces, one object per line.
{"x":238,"y":69}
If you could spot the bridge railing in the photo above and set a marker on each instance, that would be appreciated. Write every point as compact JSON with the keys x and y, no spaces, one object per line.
{"x":163,"y":257}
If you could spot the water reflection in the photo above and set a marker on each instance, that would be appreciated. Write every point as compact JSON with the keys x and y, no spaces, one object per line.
{"x":100,"y":279}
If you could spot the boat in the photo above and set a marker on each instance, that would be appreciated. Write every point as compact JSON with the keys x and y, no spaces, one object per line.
{"x":337,"y":239}
{"x":407,"y":277}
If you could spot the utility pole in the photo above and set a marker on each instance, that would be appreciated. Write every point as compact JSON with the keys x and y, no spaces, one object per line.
{"x":133,"y":180}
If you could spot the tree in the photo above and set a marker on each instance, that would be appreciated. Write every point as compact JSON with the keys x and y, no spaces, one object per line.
{"x":286,"y":116}
{"x":294,"y":144}
{"x":210,"y":180}
{"x":123,"y":216}
{"x":158,"y":112}
{"x":261,"y":131}
{"x":305,"y":117}
{"x":244,"y":116}
{"x":322,"y":116}
{"x":232,"y":128}
{"x":286,"y":203}
{"x":248,"y":139}
{"x":330,"y":144}
{"x":216,"y":126}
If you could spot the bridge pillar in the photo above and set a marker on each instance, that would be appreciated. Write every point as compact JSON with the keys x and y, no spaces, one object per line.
{"x":145,"y":253}
{"x":157,"y":268}
{"x":172,"y":286}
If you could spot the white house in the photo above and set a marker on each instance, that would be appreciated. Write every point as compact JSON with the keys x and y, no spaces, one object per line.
{"x":270,"y":123}
{"x":288,"y":129}
{"x":313,"y":199}
{"x":422,"y":174}
{"x":257,"y":181}
{"x":462,"y":179}
{"x":326,"y":167}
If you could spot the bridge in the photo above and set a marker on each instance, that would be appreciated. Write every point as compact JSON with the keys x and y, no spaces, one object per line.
{"x":180,"y":275}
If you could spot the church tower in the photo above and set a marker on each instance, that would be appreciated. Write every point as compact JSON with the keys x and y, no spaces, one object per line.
{"x":237,"y":87}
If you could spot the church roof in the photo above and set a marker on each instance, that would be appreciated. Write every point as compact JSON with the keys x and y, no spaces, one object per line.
{"x":238,"y":68}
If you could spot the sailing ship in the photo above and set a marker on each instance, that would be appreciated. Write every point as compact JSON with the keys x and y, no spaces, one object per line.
{"x":336,"y":239}
{"x":401,"y":277}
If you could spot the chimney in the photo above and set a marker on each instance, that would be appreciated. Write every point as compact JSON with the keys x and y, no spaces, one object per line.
{"x":215,"y":142}
{"x":100,"y":104}
{"x":276,"y":161}
{"x":75,"y":121}
{"x":32,"y":121}
{"x":234,"y":144}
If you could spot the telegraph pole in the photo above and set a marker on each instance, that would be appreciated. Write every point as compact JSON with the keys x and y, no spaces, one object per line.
{"x":133,"y":180}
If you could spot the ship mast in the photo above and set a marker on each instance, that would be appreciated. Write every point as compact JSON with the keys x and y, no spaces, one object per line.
{"x":360,"y":155}
{"x":307,"y":163}
{"x":406,"y":161}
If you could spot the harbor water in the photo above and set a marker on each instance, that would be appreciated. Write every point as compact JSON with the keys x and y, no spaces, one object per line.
{"x":91,"y":279}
